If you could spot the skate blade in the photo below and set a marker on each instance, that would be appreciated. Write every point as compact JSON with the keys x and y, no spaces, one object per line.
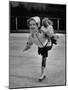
{"x":42,"y":79}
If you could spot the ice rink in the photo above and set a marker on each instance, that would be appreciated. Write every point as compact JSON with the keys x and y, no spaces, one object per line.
{"x":25,"y":67}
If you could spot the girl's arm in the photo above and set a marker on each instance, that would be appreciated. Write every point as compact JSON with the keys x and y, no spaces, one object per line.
{"x":28,"y":44}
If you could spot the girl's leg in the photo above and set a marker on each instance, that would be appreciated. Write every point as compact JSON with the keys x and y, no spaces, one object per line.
{"x":43,"y":67}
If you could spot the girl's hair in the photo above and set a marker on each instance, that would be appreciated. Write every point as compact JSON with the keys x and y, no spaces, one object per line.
{"x":36,"y":19}
{"x":28,"y":21}
{"x":46,"y":20}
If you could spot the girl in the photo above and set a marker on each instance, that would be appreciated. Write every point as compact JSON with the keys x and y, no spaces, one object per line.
{"x":39,"y":38}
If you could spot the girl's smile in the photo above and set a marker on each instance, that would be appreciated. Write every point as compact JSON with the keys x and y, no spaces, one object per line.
{"x":33,"y":26}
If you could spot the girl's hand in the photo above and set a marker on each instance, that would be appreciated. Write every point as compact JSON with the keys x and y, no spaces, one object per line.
{"x":26,"y":48}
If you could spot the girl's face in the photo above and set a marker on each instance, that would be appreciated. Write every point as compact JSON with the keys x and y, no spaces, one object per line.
{"x":33,"y":26}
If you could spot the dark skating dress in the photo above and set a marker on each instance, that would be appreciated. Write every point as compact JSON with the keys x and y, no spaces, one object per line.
{"x":44,"y":51}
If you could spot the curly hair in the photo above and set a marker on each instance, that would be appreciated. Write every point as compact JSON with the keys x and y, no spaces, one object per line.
{"x":47,"y":21}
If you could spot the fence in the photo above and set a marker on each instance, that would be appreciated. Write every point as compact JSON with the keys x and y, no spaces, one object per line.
{"x":19,"y":24}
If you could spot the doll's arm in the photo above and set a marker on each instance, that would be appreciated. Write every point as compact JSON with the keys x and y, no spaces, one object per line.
{"x":50,"y":32}
{"x":46,"y":31}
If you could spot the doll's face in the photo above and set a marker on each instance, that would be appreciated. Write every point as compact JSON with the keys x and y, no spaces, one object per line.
{"x":33,"y":26}
{"x":45,"y":22}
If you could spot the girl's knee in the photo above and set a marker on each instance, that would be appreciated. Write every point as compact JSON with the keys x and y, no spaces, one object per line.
{"x":44,"y":62}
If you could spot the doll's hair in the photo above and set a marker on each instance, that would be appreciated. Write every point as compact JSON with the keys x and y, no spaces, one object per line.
{"x":47,"y":20}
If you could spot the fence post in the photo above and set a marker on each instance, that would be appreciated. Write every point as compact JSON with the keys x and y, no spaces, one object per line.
{"x":58,"y":24}
{"x":16,"y":24}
